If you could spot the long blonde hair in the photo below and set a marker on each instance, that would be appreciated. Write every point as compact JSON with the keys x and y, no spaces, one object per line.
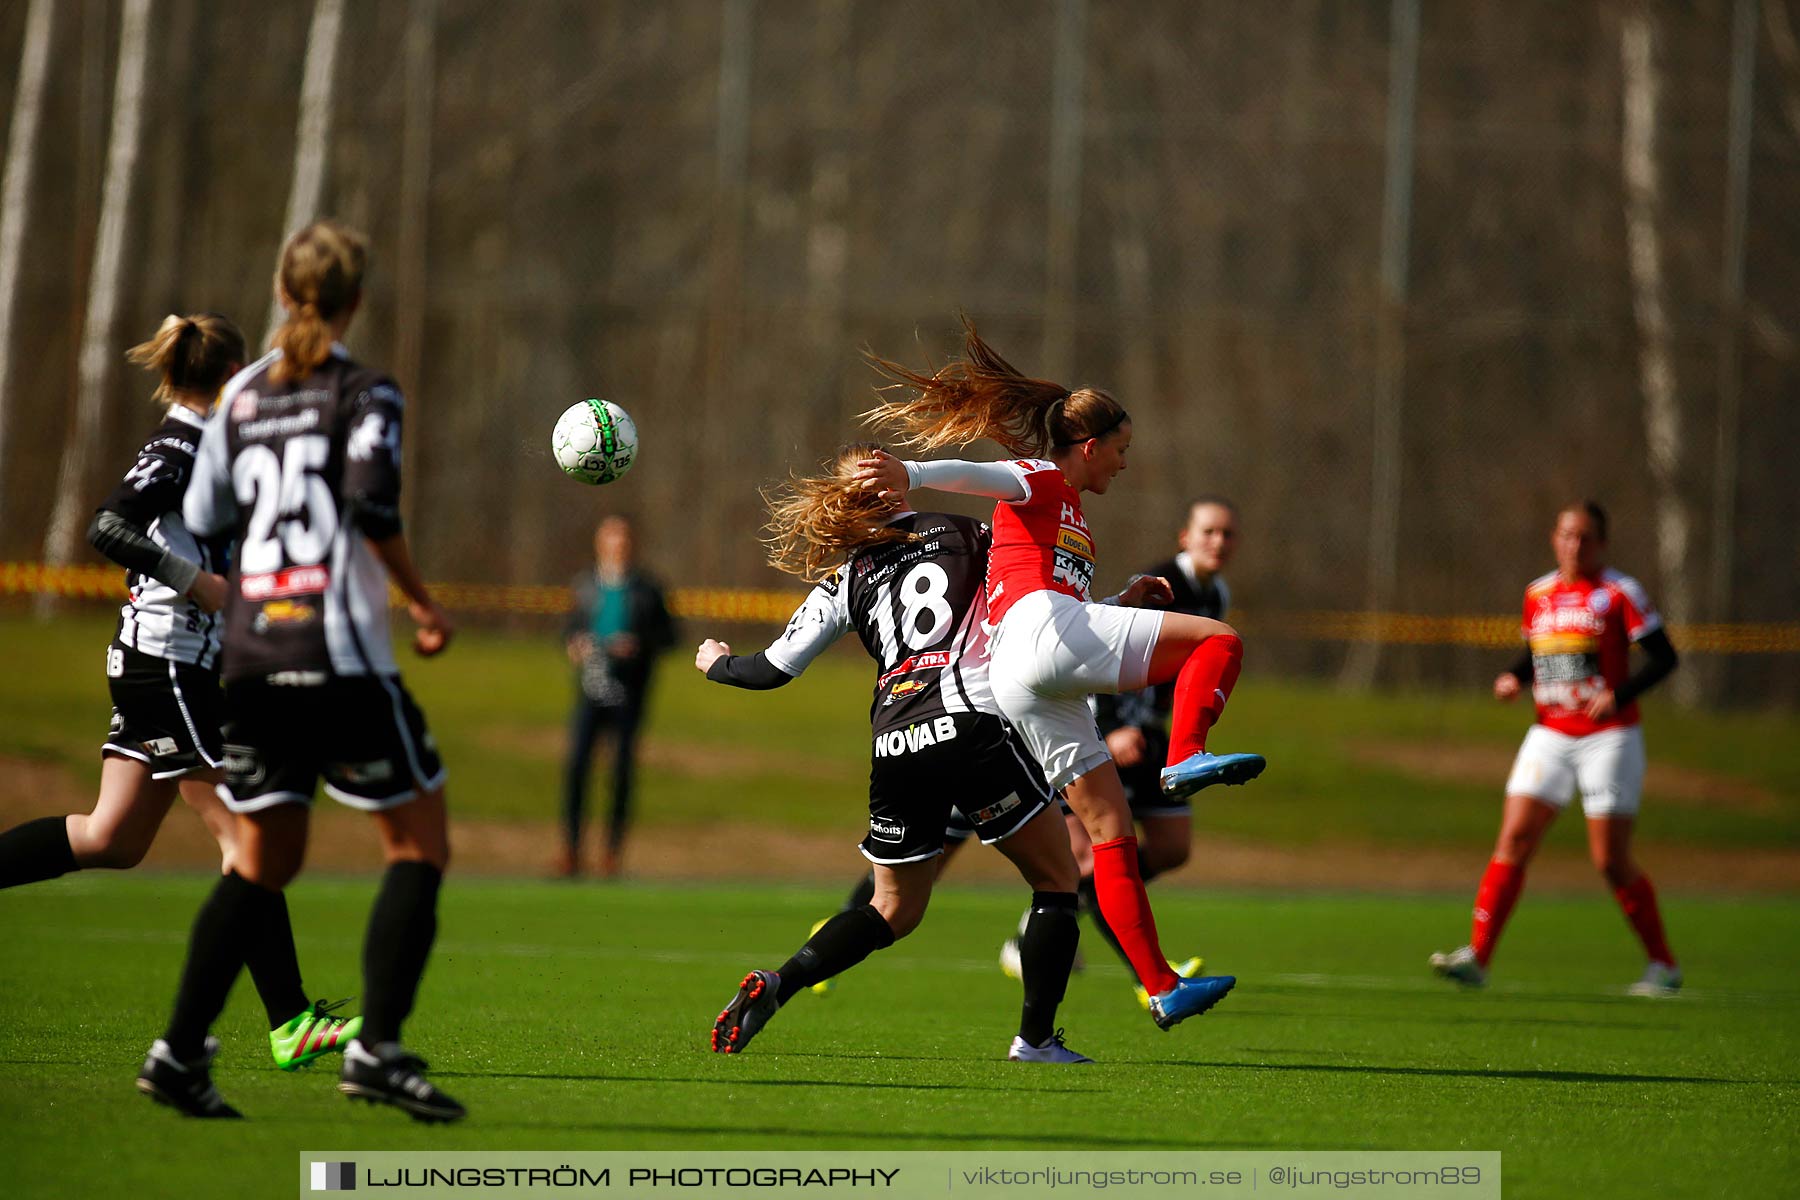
{"x":321,"y":274}
{"x":981,"y":395}
{"x":817,"y":522}
{"x":196,"y":353}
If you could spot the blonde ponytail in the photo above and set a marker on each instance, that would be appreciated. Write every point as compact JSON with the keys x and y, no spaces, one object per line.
{"x":196,"y":353}
{"x":817,"y":522}
{"x":320,"y":277}
{"x":981,"y":395}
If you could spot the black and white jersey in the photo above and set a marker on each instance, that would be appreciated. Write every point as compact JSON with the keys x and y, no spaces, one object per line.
{"x":300,"y":474}
{"x":156,"y":619}
{"x":919,"y":608}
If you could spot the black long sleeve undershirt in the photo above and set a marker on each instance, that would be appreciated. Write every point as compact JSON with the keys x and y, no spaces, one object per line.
{"x":125,"y":542}
{"x":1660,"y":660}
{"x":752,"y":671}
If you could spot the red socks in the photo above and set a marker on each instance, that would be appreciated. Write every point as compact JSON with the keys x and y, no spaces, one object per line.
{"x":1494,"y":900}
{"x":1206,"y":679}
{"x":1639,"y":902}
{"x":1126,"y":907}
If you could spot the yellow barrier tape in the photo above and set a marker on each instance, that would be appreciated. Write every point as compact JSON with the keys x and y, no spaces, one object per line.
{"x":774,"y":607}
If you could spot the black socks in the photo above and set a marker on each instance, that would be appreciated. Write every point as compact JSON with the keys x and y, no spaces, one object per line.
{"x":402,"y":926}
{"x":1090,"y":904}
{"x":1046,"y":954}
{"x":275,"y":967}
{"x":234,"y":915}
{"x":863,"y":893}
{"x":35,"y":851}
{"x":840,"y":944}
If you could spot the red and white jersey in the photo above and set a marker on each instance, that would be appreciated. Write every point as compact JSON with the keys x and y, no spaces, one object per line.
{"x":1580,"y":635}
{"x":1041,"y":543}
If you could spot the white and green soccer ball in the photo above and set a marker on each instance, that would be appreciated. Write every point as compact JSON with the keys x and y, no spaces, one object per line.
{"x":594,"y":441}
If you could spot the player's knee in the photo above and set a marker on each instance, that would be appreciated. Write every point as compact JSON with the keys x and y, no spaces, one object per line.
{"x":902,"y":913}
{"x":1618,"y":869}
{"x":1515,"y":846}
{"x":115,"y":852}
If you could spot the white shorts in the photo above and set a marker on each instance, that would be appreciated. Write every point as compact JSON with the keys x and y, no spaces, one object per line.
{"x":1608,"y":766}
{"x":1049,"y":653}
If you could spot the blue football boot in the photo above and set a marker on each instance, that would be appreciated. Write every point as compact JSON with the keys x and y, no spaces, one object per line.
{"x":1189,"y":998}
{"x":1204,"y":769}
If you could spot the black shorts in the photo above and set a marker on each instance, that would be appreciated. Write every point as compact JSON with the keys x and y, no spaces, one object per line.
{"x":165,"y":714}
{"x":1143,"y":781}
{"x":362,"y":733}
{"x":972,"y":763}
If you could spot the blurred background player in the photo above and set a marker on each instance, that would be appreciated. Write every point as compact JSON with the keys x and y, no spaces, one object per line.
{"x":910,"y":585}
{"x":1136,"y":725}
{"x":1053,"y":645}
{"x":163,"y":672}
{"x":1580,"y":622}
{"x":616,"y":629}
{"x":300,"y":465}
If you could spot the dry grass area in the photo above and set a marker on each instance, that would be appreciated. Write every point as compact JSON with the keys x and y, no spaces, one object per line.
{"x":343,"y":842}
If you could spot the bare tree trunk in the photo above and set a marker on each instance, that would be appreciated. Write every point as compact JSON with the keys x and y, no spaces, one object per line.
{"x":1390,"y":338}
{"x":1656,"y":367}
{"x":415,"y":211}
{"x":725,"y":307}
{"x":15,"y":201}
{"x":1068,"y":83}
{"x":99,"y":329}
{"x":1726,"y":442}
{"x":312,"y":134}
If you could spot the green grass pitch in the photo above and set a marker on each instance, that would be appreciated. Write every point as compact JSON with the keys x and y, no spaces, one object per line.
{"x":576,"y":1018}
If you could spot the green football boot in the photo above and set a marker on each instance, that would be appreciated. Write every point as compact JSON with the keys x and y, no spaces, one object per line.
{"x":313,"y":1033}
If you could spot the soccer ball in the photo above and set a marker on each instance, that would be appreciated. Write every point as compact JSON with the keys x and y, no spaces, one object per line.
{"x":594,"y":441}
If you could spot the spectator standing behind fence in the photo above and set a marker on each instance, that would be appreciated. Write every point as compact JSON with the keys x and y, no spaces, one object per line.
{"x":617,"y":627}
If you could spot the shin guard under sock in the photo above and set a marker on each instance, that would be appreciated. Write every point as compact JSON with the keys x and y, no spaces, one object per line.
{"x":402,"y":926}
{"x":234,"y":914}
{"x":1638,"y":899}
{"x":1500,"y":886}
{"x":1127,"y":909}
{"x":36,"y":851}
{"x":274,"y":966}
{"x":1046,"y":955}
{"x":840,"y":944}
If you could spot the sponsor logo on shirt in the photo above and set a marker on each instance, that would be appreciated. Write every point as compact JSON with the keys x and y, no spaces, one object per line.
{"x":283,"y":613}
{"x":931,"y":660}
{"x":902,"y":690}
{"x":294,"y":581}
{"x":914,"y":738}
{"x":1075,"y":542}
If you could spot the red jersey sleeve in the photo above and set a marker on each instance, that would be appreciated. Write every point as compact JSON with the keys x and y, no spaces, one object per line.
{"x":1639,"y":615}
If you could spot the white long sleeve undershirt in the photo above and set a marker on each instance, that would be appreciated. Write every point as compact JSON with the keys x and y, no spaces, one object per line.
{"x":996,"y":480}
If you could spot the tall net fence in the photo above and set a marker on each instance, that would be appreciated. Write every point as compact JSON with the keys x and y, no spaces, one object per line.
{"x":1401,"y":279}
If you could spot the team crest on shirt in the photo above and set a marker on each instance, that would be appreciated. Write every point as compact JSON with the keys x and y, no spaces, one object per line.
{"x":373,"y":434}
{"x":1599,"y":601}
